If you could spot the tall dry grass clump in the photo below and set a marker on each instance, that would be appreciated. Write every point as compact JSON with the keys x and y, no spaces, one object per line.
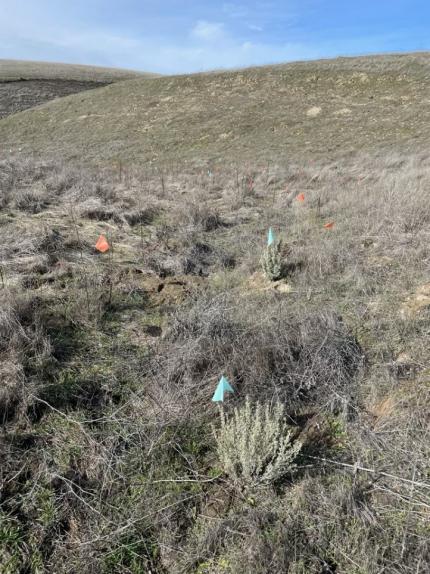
{"x":302,"y":357}
{"x":24,"y":352}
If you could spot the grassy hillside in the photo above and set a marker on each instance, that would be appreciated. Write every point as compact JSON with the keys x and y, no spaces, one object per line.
{"x":24,"y":85}
{"x":313,"y":109}
{"x":13,"y":70}
{"x":114,"y":459}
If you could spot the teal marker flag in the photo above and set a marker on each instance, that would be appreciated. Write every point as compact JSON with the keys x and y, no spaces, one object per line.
{"x":223,"y":387}
{"x":270,"y":237}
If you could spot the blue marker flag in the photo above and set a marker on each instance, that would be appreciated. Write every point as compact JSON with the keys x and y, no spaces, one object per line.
{"x":223,"y":387}
{"x":270,"y":237}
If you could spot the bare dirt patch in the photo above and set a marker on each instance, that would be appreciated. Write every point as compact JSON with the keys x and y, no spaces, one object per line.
{"x":24,"y":94}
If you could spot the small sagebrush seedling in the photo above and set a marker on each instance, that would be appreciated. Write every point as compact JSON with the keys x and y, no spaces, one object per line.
{"x":271,"y":259}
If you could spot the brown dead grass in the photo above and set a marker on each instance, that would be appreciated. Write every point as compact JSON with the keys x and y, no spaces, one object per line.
{"x":112,"y":429}
{"x":257,"y":115}
{"x":25,"y":85}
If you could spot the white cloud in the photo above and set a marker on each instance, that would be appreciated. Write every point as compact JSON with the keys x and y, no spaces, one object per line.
{"x":101,"y":47}
{"x":67,"y":31}
{"x":208,"y":31}
{"x":209,"y":45}
{"x":255,"y":28}
{"x":48,"y":34}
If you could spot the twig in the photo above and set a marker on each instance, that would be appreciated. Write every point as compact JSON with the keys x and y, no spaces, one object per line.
{"x":408,"y":499}
{"x":402,"y":553}
{"x":356,"y":467}
{"x":13,"y":477}
{"x":73,"y":421}
{"x":70,"y":485}
{"x":198,"y":480}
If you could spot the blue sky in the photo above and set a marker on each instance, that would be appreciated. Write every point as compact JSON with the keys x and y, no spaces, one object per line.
{"x":173,"y":36}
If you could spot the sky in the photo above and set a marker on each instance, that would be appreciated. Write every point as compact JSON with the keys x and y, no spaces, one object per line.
{"x":182,"y":36}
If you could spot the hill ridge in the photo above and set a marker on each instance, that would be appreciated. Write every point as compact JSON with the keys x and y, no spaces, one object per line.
{"x":26,"y":84}
{"x":307,"y":109}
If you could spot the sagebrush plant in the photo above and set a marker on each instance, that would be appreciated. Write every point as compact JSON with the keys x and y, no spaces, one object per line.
{"x":255,"y":445}
{"x":271,"y":261}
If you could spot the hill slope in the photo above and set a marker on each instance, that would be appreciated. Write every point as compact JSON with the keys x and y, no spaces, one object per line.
{"x":114,"y":458}
{"x":12,"y":70}
{"x":24,"y":85}
{"x":311,"y":108}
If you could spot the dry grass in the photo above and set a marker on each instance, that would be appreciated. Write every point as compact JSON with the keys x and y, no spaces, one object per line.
{"x":264,"y":349}
{"x":257,"y":115}
{"x":109,"y":362}
{"x":24,"y":351}
{"x":12,"y":70}
{"x":24,"y":85}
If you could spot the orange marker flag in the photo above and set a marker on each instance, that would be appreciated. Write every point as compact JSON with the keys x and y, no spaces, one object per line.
{"x":102,"y":244}
{"x":329,"y":225}
{"x":301,"y":197}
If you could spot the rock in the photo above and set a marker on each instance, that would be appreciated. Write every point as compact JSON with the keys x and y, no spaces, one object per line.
{"x":282,"y":287}
{"x":313,"y":112}
{"x":343,"y":112}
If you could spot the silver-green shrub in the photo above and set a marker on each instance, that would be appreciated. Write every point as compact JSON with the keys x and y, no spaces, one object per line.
{"x":271,"y":261}
{"x":254,"y":445}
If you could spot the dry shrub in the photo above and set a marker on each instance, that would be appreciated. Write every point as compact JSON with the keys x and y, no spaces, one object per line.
{"x":133,"y":217}
{"x":24,"y":351}
{"x":52,"y":244}
{"x":140,"y":216}
{"x":4,"y":200}
{"x":143,"y":443}
{"x":102,"y":214}
{"x":85,"y":300}
{"x":164,"y":264}
{"x":7,"y":180}
{"x":16,"y":173}
{"x":201,"y":259}
{"x":325,"y":525}
{"x":31,"y":201}
{"x":193,"y":258}
{"x":265,"y":349}
{"x":249,"y":540}
{"x":104,"y":191}
{"x":61,"y":179}
{"x":50,"y":178}
{"x":198,"y":215}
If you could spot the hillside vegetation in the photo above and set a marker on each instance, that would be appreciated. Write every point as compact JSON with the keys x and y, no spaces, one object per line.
{"x":313,"y":110}
{"x":115,"y":460}
{"x":25,"y":85}
{"x":13,"y":70}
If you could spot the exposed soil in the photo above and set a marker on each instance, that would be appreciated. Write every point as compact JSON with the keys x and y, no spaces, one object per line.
{"x":20,"y":95}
